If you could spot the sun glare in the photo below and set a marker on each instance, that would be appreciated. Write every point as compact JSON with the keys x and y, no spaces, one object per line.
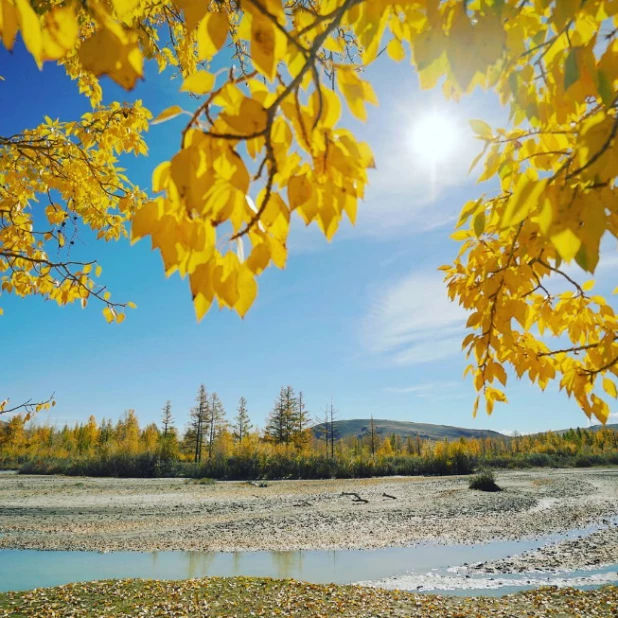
{"x":435,"y":138}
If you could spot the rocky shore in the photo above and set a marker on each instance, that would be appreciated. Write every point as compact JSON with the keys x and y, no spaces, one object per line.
{"x":60,"y":513}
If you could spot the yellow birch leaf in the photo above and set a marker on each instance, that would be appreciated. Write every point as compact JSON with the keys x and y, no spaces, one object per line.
{"x":300,"y":190}
{"x":113,"y":51}
{"x":30,"y":27}
{"x":567,"y":244}
{"x":194,"y":11}
{"x":588,"y":285}
{"x":268,"y":46}
{"x":247,"y":291}
{"x":395,"y":50}
{"x":166,"y":114}
{"x":110,"y":314}
{"x":610,"y":388}
{"x":356,"y":92}
{"x":211,"y":34}
{"x":481,"y":128}
{"x":60,"y":32}
{"x":200,"y":82}
{"x":526,"y":198}
{"x":9,"y":23}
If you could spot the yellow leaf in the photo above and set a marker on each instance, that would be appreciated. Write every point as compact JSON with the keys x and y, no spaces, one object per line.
{"x":113,"y":51}
{"x":566,"y":243}
{"x":166,"y":114}
{"x":124,"y":7}
{"x":588,"y":285}
{"x":194,"y":11}
{"x":247,"y":291}
{"x":60,"y":32}
{"x":300,"y":190}
{"x":356,"y":92}
{"x":131,"y":305}
{"x":610,"y":388}
{"x":395,"y":50}
{"x":200,"y":82}
{"x":268,"y":45}
{"x":251,"y":118}
{"x":98,"y":270}
{"x":525,"y":199}
{"x":9,"y":24}
{"x":110,"y":314}
{"x":120,"y":317}
{"x":481,"y":128}
{"x":460,"y":235}
{"x":211,"y":34}
{"x":30,"y":29}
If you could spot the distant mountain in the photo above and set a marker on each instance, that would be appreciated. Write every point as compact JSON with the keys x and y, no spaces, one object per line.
{"x":384,"y":428}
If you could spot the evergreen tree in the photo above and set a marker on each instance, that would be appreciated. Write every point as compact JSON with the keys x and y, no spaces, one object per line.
{"x":197,"y":423}
{"x":372,"y":437}
{"x":215,"y":421}
{"x":167,"y":420}
{"x":281,"y":423}
{"x":332,"y":416}
{"x":242,"y":425}
{"x":302,"y":434}
{"x":168,"y":444}
{"x":323,"y":429}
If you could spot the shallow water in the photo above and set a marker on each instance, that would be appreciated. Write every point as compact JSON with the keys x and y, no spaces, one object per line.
{"x":424,"y":567}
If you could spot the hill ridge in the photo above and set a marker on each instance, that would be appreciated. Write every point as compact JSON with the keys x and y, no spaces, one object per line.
{"x":358,"y":427}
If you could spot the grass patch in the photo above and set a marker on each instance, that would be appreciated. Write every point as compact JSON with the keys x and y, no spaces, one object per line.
{"x":485,"y":480}
{"x":240,"y":596}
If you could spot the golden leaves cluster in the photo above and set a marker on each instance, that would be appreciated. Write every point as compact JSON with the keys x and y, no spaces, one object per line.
{"x":555,"y":168}
{"x":265,"y":141}
{"x":55,"y":177}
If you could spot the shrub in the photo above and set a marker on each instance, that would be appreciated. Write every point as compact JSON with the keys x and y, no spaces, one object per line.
{"x":484,"y":481}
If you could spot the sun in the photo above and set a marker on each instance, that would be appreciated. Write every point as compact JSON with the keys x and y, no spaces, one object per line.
{"x":435,"y":138}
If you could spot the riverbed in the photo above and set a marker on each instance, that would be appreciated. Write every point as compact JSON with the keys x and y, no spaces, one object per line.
{"x":553,"y":527}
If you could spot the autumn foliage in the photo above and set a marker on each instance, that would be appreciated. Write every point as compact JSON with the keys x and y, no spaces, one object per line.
{"x":126,"y":448}
{"x":266,"y":138}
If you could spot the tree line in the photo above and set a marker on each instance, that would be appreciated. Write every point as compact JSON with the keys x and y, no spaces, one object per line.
{"x":291,"y":444}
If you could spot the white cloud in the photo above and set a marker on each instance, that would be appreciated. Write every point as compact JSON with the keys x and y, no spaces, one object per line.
{"x":413,"y":321}
{"x":423,"y":390}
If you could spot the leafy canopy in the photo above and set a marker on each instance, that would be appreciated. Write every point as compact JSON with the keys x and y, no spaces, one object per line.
{"x":264,"y":139}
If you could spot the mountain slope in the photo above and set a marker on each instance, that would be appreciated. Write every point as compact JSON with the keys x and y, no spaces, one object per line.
{"x":384,"y":428}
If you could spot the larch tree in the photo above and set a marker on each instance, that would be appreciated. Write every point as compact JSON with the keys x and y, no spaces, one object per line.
{"x":167,"y":420}
{"x":265,"y":138}
{"x":242,"y":422}
{"x":302,"y":432}
{"x":215,"y":421}
{"x":198,"y":423}
{"x":277,"y":424}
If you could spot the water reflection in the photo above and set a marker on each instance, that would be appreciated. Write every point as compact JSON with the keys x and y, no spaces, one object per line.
{"x":26,"y":569}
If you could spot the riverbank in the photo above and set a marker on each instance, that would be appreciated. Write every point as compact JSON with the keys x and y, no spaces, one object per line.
{"x":261,"y":597}
{"x":60,"y":513}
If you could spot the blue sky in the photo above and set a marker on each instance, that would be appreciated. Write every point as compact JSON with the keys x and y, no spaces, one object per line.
{"x":364,"y":318}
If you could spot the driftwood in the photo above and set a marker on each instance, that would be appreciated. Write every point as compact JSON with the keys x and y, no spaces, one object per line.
{"x":356,"y":497}
{"x":389,"y":496}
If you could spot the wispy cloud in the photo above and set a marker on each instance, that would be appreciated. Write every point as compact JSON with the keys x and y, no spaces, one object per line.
{"x":413,"y":321}
{"x":433,"y":390}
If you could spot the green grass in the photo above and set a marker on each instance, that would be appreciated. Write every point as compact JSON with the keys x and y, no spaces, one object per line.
{"x":236,"y":597}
